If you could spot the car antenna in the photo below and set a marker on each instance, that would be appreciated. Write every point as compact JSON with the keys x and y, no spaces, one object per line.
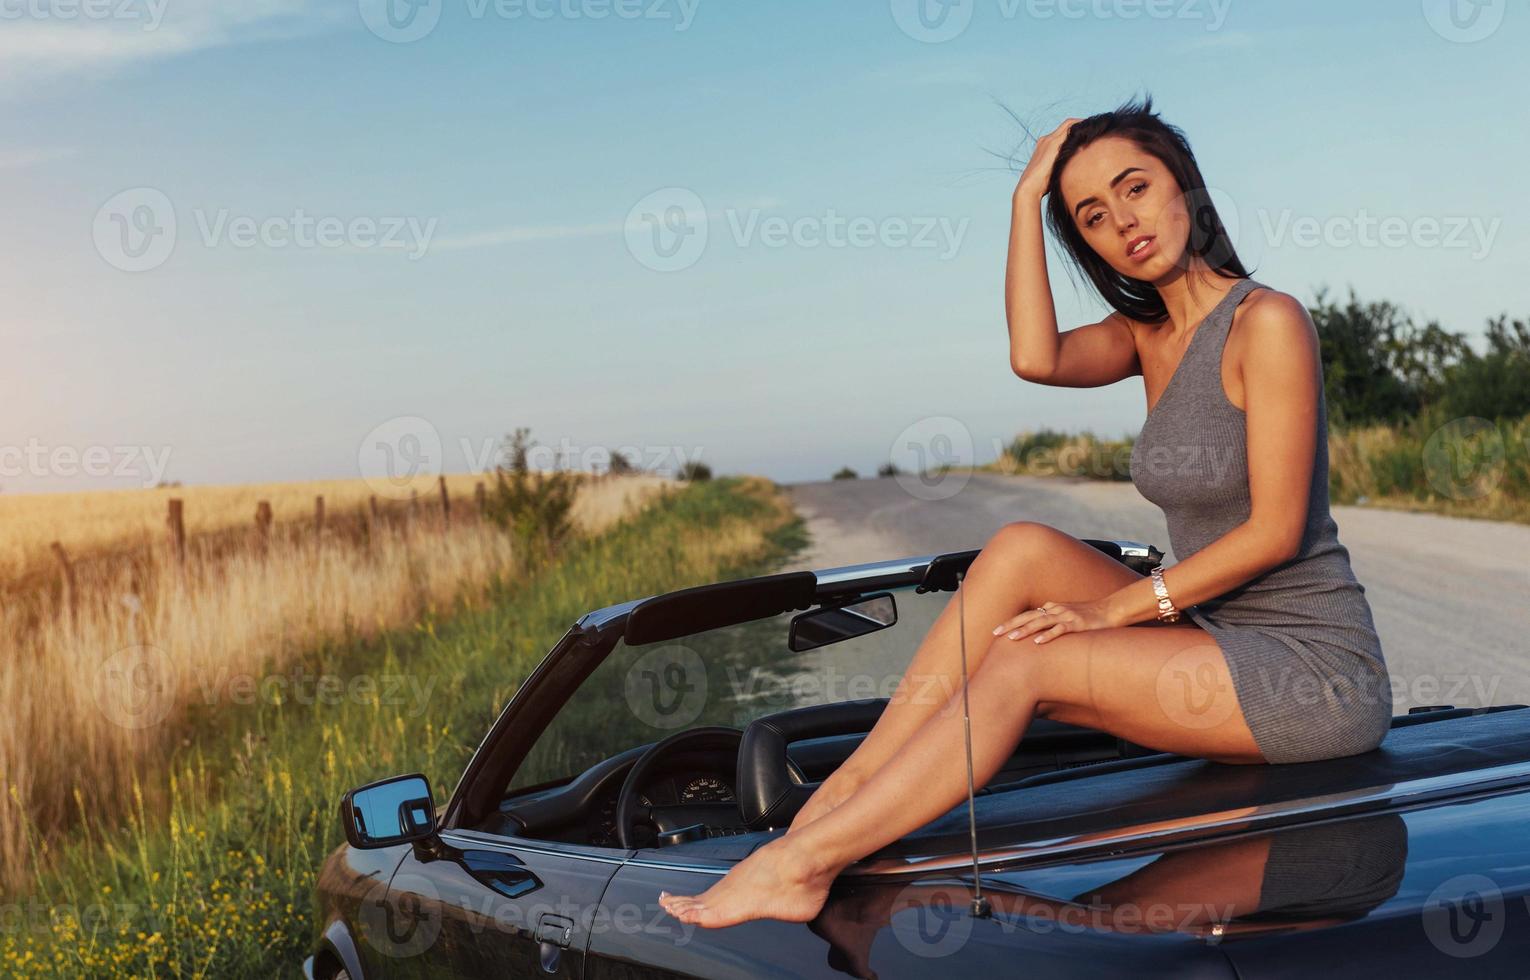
{"x":980,"y":908}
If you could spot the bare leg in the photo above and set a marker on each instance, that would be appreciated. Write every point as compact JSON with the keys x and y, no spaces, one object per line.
{"x":1128,"y":681}
{"x":1023,"y":565}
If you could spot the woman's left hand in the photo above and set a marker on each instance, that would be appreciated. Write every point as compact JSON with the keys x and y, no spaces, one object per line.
{"x":1054,"y":619}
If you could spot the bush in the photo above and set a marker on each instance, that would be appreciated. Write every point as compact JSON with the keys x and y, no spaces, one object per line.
{"x":1028,"y":442}
{"x":1494,"y":384}
{"x":534,"y":507}
{"x":620,"y":465}
{"x":845,"y":473}
{"x":695,"y":470}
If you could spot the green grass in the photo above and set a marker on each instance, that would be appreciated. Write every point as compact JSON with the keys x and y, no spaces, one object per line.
{"x":222,"y":882}
{"x":1433,"y":462}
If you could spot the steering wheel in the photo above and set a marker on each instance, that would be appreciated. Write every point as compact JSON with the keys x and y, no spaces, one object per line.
{"x":768,"y":793}
{"x":677,"y":815}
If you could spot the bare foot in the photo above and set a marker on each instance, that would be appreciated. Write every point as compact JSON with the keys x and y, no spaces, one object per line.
{"x":775,"y":882}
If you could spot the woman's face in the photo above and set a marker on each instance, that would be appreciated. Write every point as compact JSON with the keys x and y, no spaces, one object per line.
{"x":1118,"y":196}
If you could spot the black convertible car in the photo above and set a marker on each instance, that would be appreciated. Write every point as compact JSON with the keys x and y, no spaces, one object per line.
{"x":663,"y":739}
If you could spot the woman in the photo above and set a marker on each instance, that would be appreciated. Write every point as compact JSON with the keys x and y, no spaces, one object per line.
{"x":1275,"y":658}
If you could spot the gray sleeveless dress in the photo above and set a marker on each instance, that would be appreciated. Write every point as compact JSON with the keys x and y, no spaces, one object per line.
{"x":1299,"y":639}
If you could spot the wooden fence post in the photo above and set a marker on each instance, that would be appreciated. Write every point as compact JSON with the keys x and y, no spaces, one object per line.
{"x":177,"y":523}
{"x":71,"y":592}
{"x":318,"y":516}
{"x":446,"y":504}
{"x":482,"y":497}
{"x":263,"y":525}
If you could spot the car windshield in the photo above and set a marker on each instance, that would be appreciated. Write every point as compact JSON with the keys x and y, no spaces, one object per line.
{"x":728,"y":676}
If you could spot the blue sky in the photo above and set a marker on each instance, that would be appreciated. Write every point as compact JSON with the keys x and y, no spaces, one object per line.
{"x":488,"y":190}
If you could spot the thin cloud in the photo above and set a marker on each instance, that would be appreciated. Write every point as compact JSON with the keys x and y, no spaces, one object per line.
{"x":19,"y":158}
{"x":1216,"y":40}
{"x":522,"y":234}
{"x":41,"y":47}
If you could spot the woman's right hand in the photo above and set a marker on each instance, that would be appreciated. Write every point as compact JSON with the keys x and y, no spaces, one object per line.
{"x":1038,"y":171}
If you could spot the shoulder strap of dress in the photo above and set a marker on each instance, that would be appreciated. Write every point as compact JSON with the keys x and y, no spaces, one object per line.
{"x":1222,"y":322}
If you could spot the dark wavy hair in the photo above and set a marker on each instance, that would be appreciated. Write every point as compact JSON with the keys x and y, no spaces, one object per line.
{"x":1136,"y":121}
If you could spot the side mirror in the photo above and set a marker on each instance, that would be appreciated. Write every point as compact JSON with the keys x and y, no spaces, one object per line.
{"x":387,"y":812}
{"x":833,"y":624}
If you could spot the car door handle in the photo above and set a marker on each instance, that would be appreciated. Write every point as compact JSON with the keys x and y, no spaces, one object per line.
{"x":554,"y":932}
{"x":505,"y":873}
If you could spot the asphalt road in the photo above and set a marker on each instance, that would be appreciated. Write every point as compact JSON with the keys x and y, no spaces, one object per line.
{"x":1450,"y":596}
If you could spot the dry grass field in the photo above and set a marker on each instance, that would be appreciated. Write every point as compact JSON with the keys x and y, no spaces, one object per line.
{"x":98,"y":684}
